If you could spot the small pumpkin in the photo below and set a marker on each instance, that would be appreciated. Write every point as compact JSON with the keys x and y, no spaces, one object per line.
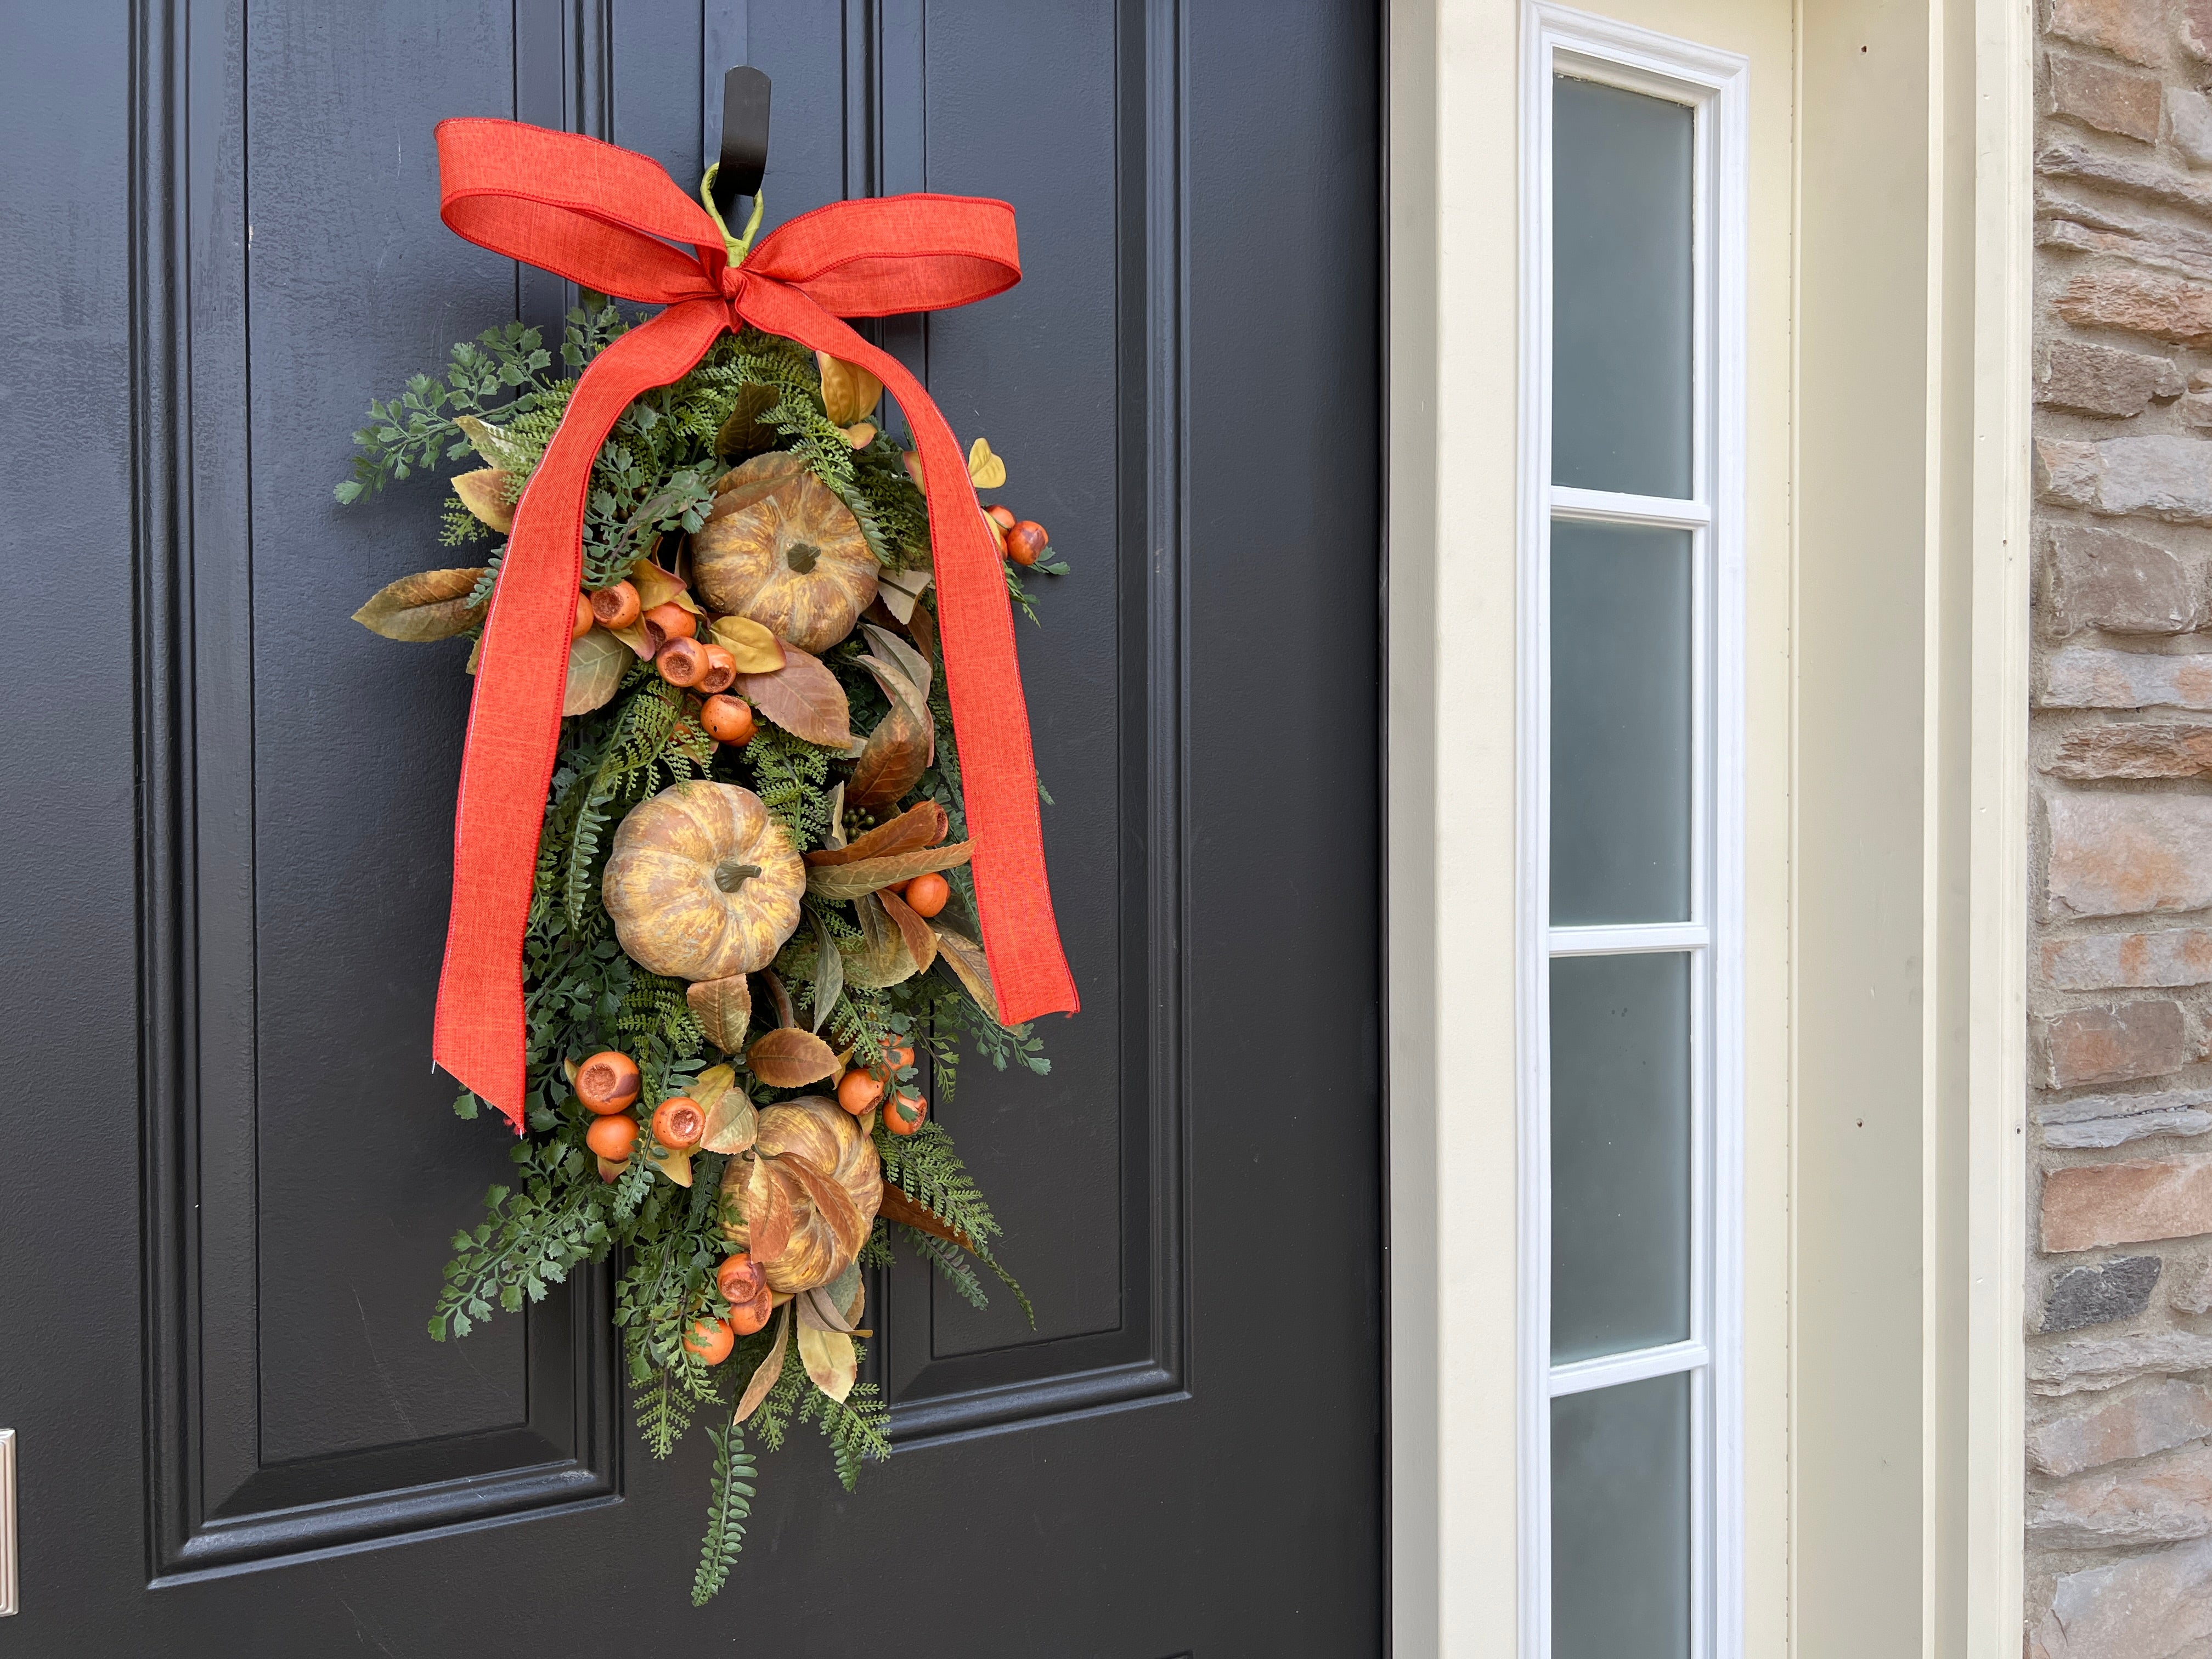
{"x":817,"y":1166}
{"x":778,"y":547}
{"x":703,"y":883}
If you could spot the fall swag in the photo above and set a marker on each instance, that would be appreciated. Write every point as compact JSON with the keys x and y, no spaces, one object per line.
{"x":747,"y":821}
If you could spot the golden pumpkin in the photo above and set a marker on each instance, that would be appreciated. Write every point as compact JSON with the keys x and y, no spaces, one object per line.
{"x":813,"y":1171}
{"x":779,"y":546}
{"x":703,"y":883}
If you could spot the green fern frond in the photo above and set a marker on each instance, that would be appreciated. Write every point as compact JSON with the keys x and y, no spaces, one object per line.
{"x":729,"y":1506}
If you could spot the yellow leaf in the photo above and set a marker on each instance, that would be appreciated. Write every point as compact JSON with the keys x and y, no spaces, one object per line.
{"x":656,"y":586}
{"x":849,"y":392}
{"x":829,"y":1355}
{"x":860,"y":434}
{"x":757,"y":649}
{"x":770,"y":1369}
{"x":484,"y":493}
{"x":609,"y":1170}
{"x":985,"y":469}
{"x":676,"y":1166}
{"x":912,"y":463}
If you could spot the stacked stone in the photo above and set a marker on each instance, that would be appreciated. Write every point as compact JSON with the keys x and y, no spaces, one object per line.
{"x":2119,"y":1502}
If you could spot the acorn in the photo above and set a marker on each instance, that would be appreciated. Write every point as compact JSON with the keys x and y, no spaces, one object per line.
{"x":608,"y":1082}
{"x":728,"y":719}
{"x":675,"y":622}
{"x":721,"y":671}
{"x":615,"y":606}
{"x":1026,"y":542}
{"x":681,"y":662}
{"x":584,"y":618}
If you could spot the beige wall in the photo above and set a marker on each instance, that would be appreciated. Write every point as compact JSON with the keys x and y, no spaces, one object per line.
{"x":1877,"y":572}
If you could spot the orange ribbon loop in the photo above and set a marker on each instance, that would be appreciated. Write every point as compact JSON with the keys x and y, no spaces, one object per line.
{"x":606,"y":218}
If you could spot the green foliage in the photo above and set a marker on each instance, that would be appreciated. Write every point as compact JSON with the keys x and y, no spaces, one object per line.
{"x":791,"y":778}
{"x":925,"y":1167}
{"x":855,"y":1427}
{"x":728,"y":1507}
{"x":502,"y":372}
{"x":530,"y":1239}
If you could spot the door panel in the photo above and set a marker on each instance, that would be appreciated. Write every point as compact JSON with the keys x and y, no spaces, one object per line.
{"x":1185,"y":385}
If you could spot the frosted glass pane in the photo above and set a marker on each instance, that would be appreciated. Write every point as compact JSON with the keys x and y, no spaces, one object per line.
{"x":1620,"y":290}
{"x":1620,"y":1521}
{"x":1620,"y":723}
{"x":1621,"y":1153}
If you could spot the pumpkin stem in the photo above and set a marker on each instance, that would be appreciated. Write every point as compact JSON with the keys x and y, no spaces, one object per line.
{"x":801,"y":556}
{"x":729,"y":874}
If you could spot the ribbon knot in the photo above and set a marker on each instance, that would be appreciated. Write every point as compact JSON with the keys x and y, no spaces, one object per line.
{"x":614,"y":221}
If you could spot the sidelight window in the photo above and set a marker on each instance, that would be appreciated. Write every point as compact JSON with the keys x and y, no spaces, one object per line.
{"x":1632,"y":536}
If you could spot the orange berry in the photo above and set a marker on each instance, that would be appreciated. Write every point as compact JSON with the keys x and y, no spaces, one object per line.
{"x":728,"y":719}
{"x":721,"y":671}
{"x":607,"y":1082}
{"x":1003,"y":516}
{"x":927,"y":895}
{"x":612,"y":1138}
{"x":1026,"y":542}
{"x":860,"y":1089}
{"x":711,"y":1338}
{"x":584,"y":618}
{"x":905,"y":1112}
{"x":673,"y":620}
{"x":681,"y":662}
{"x":615,"y":606}
{"x":677,"y":1123}
{"x":898,"y":1056}
{"x":746,"y":1288}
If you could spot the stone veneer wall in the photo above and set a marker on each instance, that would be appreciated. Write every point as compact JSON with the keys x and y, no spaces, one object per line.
{"x":2119,"y":1296}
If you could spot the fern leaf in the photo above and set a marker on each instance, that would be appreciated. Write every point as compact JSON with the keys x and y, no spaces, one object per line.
{"x":728,"y":1507}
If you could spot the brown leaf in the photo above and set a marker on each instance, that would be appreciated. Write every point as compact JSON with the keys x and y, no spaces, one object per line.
{"x":597,"y":663}
{"x":804,"y":698}
{"x":790,"y":1059}
{"x":430,"y":605}
{"x":909,"y":661}
{"x":831,"y":1202}
{"x":768,"y":1217}
{"x":922,"y":625}
{"x":829,"y":1356}
{"x":849,"y":392}
{"x":845,"y":881}
{"x":782,"y":998}
{"x":965,"y":957}
{"x":764,"y":1376}
{"x":912,"y":1213}
{"x":483,"y":492}
{"x":743,"y":433}
{"x":724,"y":1008}
{"x":828,"y":971}
{"x":892,"y":762}
{"x":644,"y":642}
{"x":824,"y":1308}
{"x":922,"y":824}
{"x":921,"y":942}
{"x":884,"y":960}
{"x":899,"y":590}
{"x":757,"y":651}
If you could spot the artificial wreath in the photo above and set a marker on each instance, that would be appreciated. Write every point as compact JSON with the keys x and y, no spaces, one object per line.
{"x":752,"y":921}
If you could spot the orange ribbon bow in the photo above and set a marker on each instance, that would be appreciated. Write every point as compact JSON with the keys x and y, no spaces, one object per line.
{"x":606,"y":218}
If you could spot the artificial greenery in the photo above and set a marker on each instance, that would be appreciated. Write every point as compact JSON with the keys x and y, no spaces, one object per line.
{"x":500,"y":402}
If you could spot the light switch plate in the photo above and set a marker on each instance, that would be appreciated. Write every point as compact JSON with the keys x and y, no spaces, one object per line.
{"x":7,"y":1521}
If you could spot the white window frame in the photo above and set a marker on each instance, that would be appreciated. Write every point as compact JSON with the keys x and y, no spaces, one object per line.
{"x":1714,"y":84}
